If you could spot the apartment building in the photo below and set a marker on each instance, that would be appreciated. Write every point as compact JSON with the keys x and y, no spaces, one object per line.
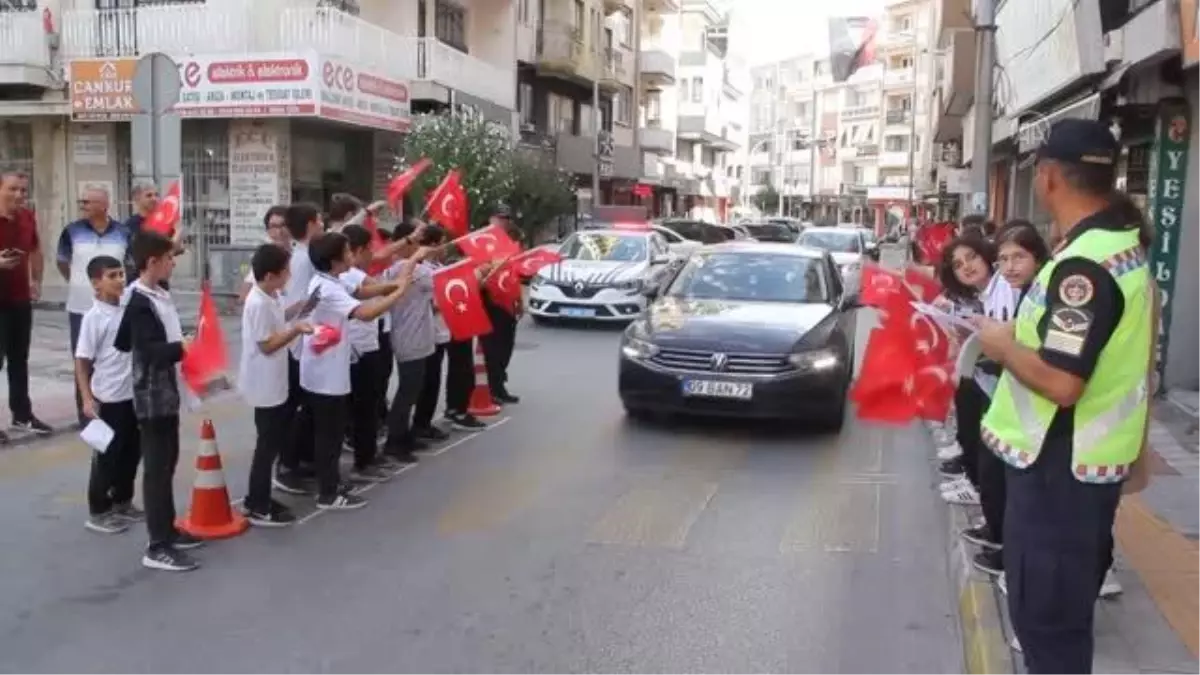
{"x":577,"y":82}
{"x":281,"y":100}
{"x":851,"y":151}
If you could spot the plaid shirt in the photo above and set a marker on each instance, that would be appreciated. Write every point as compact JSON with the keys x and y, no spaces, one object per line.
{"x":155,"y":379}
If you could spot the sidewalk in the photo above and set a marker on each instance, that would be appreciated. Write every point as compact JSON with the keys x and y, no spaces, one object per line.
{"x":1152,"y":626}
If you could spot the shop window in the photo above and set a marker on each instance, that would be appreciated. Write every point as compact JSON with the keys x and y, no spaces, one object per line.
{"x":450,"y":24}
{"x":206,"y":180}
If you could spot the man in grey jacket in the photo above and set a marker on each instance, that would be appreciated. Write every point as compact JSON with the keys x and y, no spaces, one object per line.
{"x":413,"y":341}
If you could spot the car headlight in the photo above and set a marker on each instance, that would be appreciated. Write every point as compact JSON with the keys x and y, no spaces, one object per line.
{"x":637,"y":349}
{"x":536,"y":281}
{"x":631,"y":286}
{"x":815,"y":359}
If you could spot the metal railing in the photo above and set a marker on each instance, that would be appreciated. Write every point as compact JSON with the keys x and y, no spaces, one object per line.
{"x":23,"y":40}
{"x":859,"y":111}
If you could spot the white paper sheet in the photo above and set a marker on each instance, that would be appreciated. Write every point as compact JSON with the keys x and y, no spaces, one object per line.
{"x":97,"y":435}
{"x":945,"y":318}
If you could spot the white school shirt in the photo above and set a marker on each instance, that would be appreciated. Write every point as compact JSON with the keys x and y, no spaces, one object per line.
{"x":364,"y":335}
{"x":298,"y":285}
{"x":328,"y":373}
{"x":112,"y":370}
{"x":262,"y":378}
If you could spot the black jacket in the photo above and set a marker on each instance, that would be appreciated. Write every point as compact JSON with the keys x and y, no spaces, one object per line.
{"x":155,"y":383}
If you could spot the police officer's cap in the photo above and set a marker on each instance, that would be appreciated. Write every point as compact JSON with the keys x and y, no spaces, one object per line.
{"x":1076,"y":141}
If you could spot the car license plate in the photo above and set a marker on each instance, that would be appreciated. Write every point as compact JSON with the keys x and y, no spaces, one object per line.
{"x":717,"y":389}
{"x":579,"y":312}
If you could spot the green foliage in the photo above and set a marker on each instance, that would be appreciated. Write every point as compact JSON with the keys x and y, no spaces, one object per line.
{"x":480,"y":150}
{"x":540,"y":194}
{"x":767,"y":199}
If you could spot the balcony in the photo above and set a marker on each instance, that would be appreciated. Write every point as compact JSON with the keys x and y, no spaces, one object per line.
{"x":899,"y":39}
{"x":958,"y":87}
{"x":898,"y":77}
{"x":656,"y":139}
{"x":577,"y":154}
{"x":276,"y":26}
{"x":564,"y":54}
{"x":615,"y":71}
{"x":898,"y":116}
{"x":858,"y":112}
{"x":611,"y":6}
{"x":893,"y":159}
{"x":24,"y":50}
{"x":660,"y":6}
{"x":705,"y":129}
{"x":658,"y":68}
{"x":868,"y":149}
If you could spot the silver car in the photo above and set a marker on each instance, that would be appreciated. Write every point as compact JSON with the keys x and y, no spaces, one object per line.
{"x":847,"y":246}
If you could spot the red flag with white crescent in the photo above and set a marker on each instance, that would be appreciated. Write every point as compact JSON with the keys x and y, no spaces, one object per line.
{"x":165,"y":217}
{"x":529,"y":262}
{"x":402,"y":182}
{"x":457,"y":294}
{"x":487,"y":244}
{"x":206,"y":358}
{"x":447,"y":204}
{"x":504,"y":286}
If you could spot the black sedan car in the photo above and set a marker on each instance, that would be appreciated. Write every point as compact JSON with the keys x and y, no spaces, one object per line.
{"x":744,"y":330}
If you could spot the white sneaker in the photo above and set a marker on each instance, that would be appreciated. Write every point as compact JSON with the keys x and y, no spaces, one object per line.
{"x":954,"y":484}
{"x":964,"y":495}
{"x":1111,"y":587}
{"x":1014,"y":645}
{"x":949,"y":451}
{"x":1002,"y":584}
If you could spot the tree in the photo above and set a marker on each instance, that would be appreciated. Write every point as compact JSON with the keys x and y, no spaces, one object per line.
{"x":481,"y":150}
{"x":767,"y":199}
{"x":540,"y":195}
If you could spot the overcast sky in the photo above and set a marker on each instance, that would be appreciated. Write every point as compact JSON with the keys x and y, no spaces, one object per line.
{"x":768,"y":30}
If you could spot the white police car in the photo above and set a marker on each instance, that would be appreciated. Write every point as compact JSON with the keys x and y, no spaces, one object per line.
{"x":603,"y":276}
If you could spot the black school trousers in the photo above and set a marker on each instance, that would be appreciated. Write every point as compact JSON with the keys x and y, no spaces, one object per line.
{"x":114,"y":471}
{"x":273,"y":427}
{"x":364,"y":407}
{"x":160,"y":456}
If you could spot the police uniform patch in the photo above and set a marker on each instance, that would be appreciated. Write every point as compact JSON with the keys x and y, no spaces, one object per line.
{"x":1068,"y":331}
{"x":1076,"y":290}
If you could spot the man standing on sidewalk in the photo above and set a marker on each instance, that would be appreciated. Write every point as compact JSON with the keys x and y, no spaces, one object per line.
{"x":1069,"y":413}
{"x":498,"y":345}
{"x":96,"y":233}
{"x":20,"y":284}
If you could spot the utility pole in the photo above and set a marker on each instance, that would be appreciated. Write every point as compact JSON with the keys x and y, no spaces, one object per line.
{"x":814,"y":137}
{"x":985,"y":66}
{"x":912,"y":136}
{"x":598,"y":131}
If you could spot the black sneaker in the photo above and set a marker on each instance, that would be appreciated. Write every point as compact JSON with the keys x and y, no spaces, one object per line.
{"x":387,"y":463}
{"x":952,"y":467}
{"x":3,"y":438}
{"x":107,"y":523}
{"x":989,"y":562}
{"x":431,"y":434}
{"x":506,"y":398}
{"x":402,"y":455}
{"x":129,"y":512}
{"x":277,"y":515}
{"x":168,"y":558}
{"x":291,"y":482}
{"x":32,"y":425}
{"x":370,"y":474}
{"x":186,"y":542}
{"x":980,"y":536}
{"x":466,"y":422}
{"x":343,"y":501}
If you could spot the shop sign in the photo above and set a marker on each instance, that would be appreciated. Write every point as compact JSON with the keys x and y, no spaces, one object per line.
{"x":358,"y":97}
{"x":1168,"y":182}
{"x":253,"y":179}
{"x":102,"y":89}
{"x":265,"y":85}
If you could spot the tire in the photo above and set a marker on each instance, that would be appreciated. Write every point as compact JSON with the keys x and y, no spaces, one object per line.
{"x":638,"y":414}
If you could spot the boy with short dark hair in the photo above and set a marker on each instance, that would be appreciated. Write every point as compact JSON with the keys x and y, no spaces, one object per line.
{"x":106,"y":387}
{"x":263,"y":378}
{"x":151,"y":334}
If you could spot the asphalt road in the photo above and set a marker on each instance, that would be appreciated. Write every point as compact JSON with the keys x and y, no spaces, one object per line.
{"x":563,"y":539}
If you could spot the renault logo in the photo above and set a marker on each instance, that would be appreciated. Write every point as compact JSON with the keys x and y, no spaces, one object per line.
{"x":578,"y":286}
{"x":719,"y":361}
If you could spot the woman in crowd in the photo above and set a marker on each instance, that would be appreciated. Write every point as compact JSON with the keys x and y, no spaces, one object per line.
{"x":1020,"y":253}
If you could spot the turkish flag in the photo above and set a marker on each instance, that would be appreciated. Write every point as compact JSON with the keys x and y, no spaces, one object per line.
{"x":888,"y":363}
{"x":529,"y":262}
{"x":165,"y":216}
{"x":925,"y":288}
{"x":324,"y":336}
{"x":447,"y":205}
{"x":931,"y":239}
{"x":402,"y":182}
{"x":504,"y":286}
{"x":205,"y":358}
{"x":457,"y":294}
{"x":487,"y":244}
{"x":376,"y":267}
{"x":880,"y":286}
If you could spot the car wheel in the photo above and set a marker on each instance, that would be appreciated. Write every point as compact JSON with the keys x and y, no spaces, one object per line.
{"x":638,"y":414}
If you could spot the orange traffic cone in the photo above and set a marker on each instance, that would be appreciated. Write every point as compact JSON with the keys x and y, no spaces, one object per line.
{"x":210,"y":516}
{"x":481,"y":403}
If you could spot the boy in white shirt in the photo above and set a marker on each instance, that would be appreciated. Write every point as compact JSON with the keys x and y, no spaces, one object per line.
{"x":105,"y":380}
{"x":325,"y":374}
{"x":263,"y":378}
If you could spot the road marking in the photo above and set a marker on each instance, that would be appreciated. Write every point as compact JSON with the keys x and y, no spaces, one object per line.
{"x":659,"y":515}
{"x":449,"y":446}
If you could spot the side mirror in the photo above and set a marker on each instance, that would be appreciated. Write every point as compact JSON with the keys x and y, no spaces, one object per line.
{"x":850,"y":300}
{"x":660,"y":260}
{"x":650,"y":291}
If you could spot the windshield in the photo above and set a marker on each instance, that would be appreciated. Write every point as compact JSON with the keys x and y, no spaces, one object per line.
{"x":870,"y":235}
{"x":610,"y":247}
{"x":771,"y":232}
{"x":831,"y":240}
{"x":765,"y":277}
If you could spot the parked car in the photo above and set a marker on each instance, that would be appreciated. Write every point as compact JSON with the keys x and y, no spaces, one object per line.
{"x":771,"y":231}
{"x":847,"y":246}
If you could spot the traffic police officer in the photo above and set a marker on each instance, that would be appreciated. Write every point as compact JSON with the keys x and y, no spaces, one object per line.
{"x":1069,"y":412}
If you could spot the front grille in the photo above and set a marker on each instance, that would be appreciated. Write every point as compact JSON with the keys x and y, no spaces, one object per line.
{"x":587,"y":291}
{"x":702,"y":362}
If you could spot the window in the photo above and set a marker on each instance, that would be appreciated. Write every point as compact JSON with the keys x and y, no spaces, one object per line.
{"x":800,"y":110}
{"x":450,"y":24}
{"x":523,"y":11}
{"x":623,"y":25}
{"x":916,"y":143}
{"x":18,"y":5}
{"x":653,"y":107}
{"x":683,"y":89}
{"x":561,"y":114}
{"x":896,"y":144}
{"x":820,"y":68}
{"x":902,"y":24}
{"x":857,"y":175}
{"x":697,"y":90}
{"x":760,"y":176}
{"x":525,"y":102}
{"x":578,"y":20}
{"x":623,"y":106}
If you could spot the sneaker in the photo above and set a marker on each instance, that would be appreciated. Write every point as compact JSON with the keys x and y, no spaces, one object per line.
{"x":290,"y":482}
{"x":186,"y":542}
{"x":369,"y":474}
{"x":168,"y":558}
{"x":964,"y":496}
{"x":1002,"y":583}
{"x":466,"y":422}
{"x":130,"y":512}
{"x":980,"y":535}
{"x":32,"y":425}
{"x":952,"y":467}
{"x":949,"y":451}
{"x":506,"y":398}
{"x":989,"y":562}
{"x":277,"y":515}
{"x":431,"y":434}
{"x":1111,"y":588}
{"x":343,"y":501}
{"x":953,"y":484}
{"x":388,"y":463}
{"x":1014,"y":645}
{"x":3,"y":438}
{"x":107,"y":523}
{"x":403,"y":456}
